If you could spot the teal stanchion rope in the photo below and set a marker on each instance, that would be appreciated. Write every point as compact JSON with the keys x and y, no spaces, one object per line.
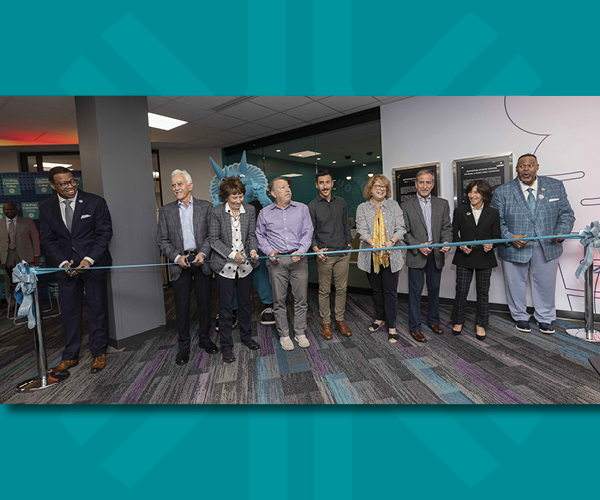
{"x":47,"y":270}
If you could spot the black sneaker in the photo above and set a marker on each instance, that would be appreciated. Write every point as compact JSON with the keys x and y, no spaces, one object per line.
{"x":267,"y":317}
{"x":546,"y":328}
{"x":523,"y":326}
{"x":234,"y":320}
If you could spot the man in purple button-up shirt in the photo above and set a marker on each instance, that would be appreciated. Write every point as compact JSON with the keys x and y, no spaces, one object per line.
{"x":285,"y":230}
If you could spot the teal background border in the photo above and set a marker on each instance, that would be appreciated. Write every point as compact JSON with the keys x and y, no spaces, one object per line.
{"x":339,"y":47}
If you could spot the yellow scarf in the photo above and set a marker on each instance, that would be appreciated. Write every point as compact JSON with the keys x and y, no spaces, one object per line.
{"x":379,"y":238}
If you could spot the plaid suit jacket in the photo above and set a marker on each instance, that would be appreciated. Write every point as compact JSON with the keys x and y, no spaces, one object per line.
{"x":169,"y":236}
{"x":553,"y":215}
{"x":219,"y":234}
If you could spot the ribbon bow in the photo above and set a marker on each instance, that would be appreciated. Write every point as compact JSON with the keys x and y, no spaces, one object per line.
{"x":26,"y":281}
{"x":590,"y":239}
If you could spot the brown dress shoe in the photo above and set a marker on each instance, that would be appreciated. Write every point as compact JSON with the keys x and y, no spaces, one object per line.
{"x":418,"y":336}
{"x":435,"y":328}
{"x":343,"y":328}
{"x":64,"y":365}
{"x":99,"y":363}
{"x":326,"y":332}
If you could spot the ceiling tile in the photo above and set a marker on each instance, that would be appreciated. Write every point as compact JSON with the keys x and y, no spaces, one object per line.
{"x":280,"y":121}
{"x":311,"y":112}
{"x":252,"y":130}
{"x":226,"y":136}
{"x":391,"y":98}
{"x":59,"y":102}
{"x":156,"y":101}
{"x":344,"y":103}
{"x":376,"y":104}
{"x":169,"y":136}
{"x":206,"y":143}
{"x":34,"y":111}
{"x":219,"y":121}
{"x":196,"y":130}
{"x":181,"y":111}
{"x":248,"y":111}
{"x":206,"y":101}
{"x":281,"y":103}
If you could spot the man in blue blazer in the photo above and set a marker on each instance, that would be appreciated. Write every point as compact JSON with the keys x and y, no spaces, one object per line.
{"x":531,"y":205}
{"x":75,"y":230}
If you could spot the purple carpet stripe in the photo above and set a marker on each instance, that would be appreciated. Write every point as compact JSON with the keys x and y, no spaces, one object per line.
{"x":143,"y":379}
{"x":266,"y":340}
{"x":499,"y":389}
{"x":202,"y":393}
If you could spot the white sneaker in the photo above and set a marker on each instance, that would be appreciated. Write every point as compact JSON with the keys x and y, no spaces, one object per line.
{"x":286,"y":343}
{"x":302,"y":340}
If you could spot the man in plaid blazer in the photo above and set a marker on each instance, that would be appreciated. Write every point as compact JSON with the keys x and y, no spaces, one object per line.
{"x":182,"y":237}
{"x":531,"y":205}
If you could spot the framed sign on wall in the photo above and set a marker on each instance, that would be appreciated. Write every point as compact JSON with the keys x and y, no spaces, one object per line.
{"x":403,"y":180}
{"x":496,"y":169}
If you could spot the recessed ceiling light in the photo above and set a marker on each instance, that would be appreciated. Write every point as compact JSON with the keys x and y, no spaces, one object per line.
{"x":292,"y":175}
{"x":333,"y":161}
{"x":379,"y":157}
{"x":353,"y":161}
{"x":370,"y":174}
{"x":348,"y":177}
{"x":278,"y":150}
{"x":364,"y":164}
{"x":163,"y":122}
{"x":318,"y":159}
{"x":305,"y":154}
{"x":47,"y":165}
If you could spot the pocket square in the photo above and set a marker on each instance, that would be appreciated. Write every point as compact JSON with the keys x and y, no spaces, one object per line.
{"x":553,"y":199}
{"x":85,"y":216}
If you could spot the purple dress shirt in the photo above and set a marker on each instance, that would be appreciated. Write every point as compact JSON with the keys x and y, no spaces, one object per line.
{"x":284,"y":230}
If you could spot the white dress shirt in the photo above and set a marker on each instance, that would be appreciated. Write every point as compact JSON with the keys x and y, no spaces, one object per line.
{"x":525,"y":187}
{"x":62,"y":206}
{"x":476,"y":213}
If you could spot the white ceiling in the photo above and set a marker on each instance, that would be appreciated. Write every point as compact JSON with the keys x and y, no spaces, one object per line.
{"x":51,"y":120}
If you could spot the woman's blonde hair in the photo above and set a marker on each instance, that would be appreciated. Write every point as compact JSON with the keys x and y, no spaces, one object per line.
{"x":382,"y":180}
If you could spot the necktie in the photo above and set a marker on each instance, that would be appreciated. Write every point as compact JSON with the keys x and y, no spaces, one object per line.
{"x":68,"y":214}
{"x":11,"y":235}
{"x":531,"y":201}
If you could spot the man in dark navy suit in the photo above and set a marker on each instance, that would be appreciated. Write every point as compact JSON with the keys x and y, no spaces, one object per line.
{"x":75,"y":230}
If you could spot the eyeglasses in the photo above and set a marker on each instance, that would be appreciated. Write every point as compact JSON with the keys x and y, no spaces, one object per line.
{"x":72,"y":182}
{"x":379,"y":187}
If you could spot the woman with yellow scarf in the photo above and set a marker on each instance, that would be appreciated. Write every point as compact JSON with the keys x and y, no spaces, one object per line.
{"x":380,"y":222}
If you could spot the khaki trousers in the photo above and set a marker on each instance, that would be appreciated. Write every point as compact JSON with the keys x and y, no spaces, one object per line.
{"x":338,"y":265}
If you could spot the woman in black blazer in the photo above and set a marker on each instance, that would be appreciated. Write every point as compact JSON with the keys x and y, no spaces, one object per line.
{"x":476,"y":221}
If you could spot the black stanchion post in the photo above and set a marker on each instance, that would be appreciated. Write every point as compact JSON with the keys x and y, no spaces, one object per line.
{"x":43,"y":379}
{"x":588,"y":333}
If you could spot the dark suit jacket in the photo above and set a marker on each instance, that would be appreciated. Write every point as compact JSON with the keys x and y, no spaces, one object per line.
{"x":89,"y":237}
{"x":169,"y":236}
{"x":465,"y":229}
{"x":219,"y":234}
{"x":416,"y":230}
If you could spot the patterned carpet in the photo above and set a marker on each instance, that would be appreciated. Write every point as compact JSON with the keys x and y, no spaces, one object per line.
{"x":510,"y":367}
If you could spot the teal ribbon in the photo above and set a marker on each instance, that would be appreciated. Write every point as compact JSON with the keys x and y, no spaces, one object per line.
{"x":45,"y":270}
{"x":26,"y":280}
{"x":590,"y":239}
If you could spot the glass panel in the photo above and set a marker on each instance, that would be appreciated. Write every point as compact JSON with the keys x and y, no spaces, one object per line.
{"x":72,"y":162}
{"x":31,"y":163}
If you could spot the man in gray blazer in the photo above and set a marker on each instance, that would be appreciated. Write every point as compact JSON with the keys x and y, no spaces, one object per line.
{"x":183,"y":238}
{"x":19,"y":240}
{"x":427,"y":220}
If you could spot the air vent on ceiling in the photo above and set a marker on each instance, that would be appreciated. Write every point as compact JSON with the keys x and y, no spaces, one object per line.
{"x":233,"y":102}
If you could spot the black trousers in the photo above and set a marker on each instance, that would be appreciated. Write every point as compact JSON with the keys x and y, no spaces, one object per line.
{"x":463,"y":284}
{"x":70,"y":297}
{"x":385,"y":295}
{"x":227,"y":288}
{"x":416,"y":279}
{"x":182,"y":289}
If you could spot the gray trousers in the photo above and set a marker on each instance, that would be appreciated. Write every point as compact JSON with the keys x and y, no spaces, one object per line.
{"x":542,"y":274}
{"x":282,"y":274}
